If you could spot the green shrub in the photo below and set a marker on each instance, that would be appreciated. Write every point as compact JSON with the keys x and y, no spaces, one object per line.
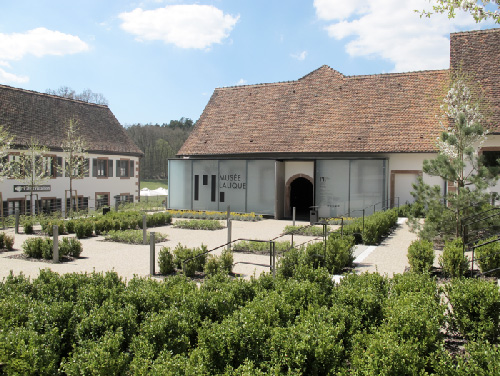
{"x":166,"y":261}
{"x":102,"y":356}
{"x":305,"y":230}
{"x":133,"y":236}
{"x":339,"y":253}
{"x":6,"y":241}
{"x":421,"y":256}
{"x":488,"y":257}
{"x":313,"y":345}
{"x":212,"y":266}
{"x":226,"y":259}
{"x":219,"y":264}
{"x":288,"y":262}
{"x":24,"y":351}
{"x":70,"y":226}
{"x":84,"y":228}
{"x":70,"y":247}
{"x":189,"y":268}
{"x":475,"y":308}
{"x":38,"y":248}
{"x":28,"y":226}
{"x":199,"y":224}
{"x":453,"y":261}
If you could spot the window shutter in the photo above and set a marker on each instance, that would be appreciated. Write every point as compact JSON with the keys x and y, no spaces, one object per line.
{"x":59,"y":172}
{"x":110,"y":168}
{"x":94,"y":167}
{"x":87,"y":168}
{"x":131,"y":170}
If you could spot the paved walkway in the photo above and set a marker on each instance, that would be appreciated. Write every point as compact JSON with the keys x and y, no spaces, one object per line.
{"x":130,"y":260}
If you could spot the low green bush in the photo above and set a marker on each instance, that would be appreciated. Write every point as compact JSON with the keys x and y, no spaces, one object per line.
{"x":453,"y":261}
{"x":199,"y":224}
{"x":28,"y":226}
{"x":6,"y":241}
{"x":197,"y":264}
{"x":375,"y":227}
{"x":70,"y":247}
{"x":475,"y":307}
{"x":133,"y":236}
{"x":38,"y":248}
{"x":101,"y":356}
{"x":219,"y":264}
{"x":84,"y":228}
{"x":421,"y":256}
{"x":166,"y":261}
{"x":70,"y":226}
{"x":260,"y":247}
{"x":305,"y":230}
{"x":488,"y":257}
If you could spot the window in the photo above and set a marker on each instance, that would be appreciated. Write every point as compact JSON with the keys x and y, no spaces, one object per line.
{"x":196,"y":187}
{"x":102,"y":167}
{"x":122,"y":168}
{"x":491,"y":158}
{"x":101,"y":199}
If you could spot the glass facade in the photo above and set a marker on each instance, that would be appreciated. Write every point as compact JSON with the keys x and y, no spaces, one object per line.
{"x":246,"y":186}
{"x":342,"y":187}
{"x":345,"y":187}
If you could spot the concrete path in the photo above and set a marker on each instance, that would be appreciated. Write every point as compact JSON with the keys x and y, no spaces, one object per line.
{"x":130,"y":260}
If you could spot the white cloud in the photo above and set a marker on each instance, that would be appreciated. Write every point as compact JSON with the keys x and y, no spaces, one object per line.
{"x":186,"y":26}
{"x":38,"y":42}
{"x":391,"y":30}
{"x":301,"y":56}
{"x":242,"y":81}
{"x":10,"y":77}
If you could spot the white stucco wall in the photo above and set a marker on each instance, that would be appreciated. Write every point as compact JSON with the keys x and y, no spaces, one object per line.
{"x":403,"y":181}
{"x":86,"y":187}
{"x":300,"y":167}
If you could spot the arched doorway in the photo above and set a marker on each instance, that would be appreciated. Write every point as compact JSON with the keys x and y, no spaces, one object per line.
{"x":301,"y":197}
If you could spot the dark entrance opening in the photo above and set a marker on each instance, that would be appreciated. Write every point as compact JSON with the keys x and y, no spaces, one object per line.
{"x":301,"y":197}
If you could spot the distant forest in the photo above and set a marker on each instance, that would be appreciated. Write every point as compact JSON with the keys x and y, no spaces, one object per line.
{"x":159,"y":142}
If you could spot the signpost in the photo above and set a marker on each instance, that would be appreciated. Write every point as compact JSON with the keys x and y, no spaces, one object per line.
{"x":36,"y":188}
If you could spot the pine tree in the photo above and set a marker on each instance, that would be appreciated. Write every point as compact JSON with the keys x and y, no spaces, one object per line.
{"x":458,"y":163}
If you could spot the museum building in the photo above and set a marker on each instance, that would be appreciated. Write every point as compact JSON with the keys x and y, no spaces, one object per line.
{"x":338,"y":143}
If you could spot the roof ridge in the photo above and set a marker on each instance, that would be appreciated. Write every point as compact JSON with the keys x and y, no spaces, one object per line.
{"x":33,"y":92}
{"x":398,"y":73}
{"x":492,"y":30}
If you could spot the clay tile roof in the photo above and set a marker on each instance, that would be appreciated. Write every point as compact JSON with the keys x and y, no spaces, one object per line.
{"x":478,"y":53}
{"x":323,"y":112}
{"x":26,"y":113}
{"x":327,"y":112}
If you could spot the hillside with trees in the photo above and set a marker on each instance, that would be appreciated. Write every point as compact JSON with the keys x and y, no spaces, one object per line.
{"x":159,"y":142}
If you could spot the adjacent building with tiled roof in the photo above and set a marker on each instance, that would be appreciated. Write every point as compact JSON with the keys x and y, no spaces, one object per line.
{"x":339,"y":143}
{"x":113,"y":158}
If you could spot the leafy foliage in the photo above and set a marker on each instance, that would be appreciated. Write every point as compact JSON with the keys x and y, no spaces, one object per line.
{"x":199,"y":224}
{"x":453,"y":261}
{"x":421,"y":256}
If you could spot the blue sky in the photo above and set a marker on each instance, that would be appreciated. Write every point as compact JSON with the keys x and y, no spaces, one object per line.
{"x":158,"y":60}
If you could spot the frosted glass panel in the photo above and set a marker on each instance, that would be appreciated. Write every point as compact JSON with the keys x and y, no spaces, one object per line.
{"x":332,"y":187}
{"x":232,"y":185}
{"x":367,"y":185}
{"x":205,"y":193}
{"x":179,"y":184}
{"x":261,"y":187}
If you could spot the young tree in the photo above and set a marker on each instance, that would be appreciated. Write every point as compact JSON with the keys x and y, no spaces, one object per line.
{"x":75,"y":148}
{"x":5,"y":142}
{"x":458,"y":162}
{"x":32,"y":168}
{"x":477,"y":8}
